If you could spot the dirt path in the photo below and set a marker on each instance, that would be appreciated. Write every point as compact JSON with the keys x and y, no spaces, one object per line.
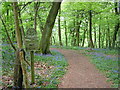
{"x":81,"y":73}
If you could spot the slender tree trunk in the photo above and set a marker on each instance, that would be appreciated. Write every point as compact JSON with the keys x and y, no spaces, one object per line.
{"x":109,"y":40}
{"x":88,"y":38}
{"x":45,"y":39}
{"x":53,"y":39}
{"x":59,"y":28}
{"x":66,"y":41}
{"x":84,"y":37}
{"x":106,"y":39}
{"x":36,"y":7}
{"x":117,"y":25}
{"x":103,"y":39}
{"x":90,"y":29}
{"x":95,"y":45}
{"x":99,"y":39}
{"x":74,"y":36}
{"x":77,"y":30}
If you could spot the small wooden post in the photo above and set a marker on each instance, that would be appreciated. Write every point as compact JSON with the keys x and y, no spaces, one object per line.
{"x":32,"y":67}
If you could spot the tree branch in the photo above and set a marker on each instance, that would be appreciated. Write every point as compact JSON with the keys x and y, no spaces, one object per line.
{"x":8,"y":34}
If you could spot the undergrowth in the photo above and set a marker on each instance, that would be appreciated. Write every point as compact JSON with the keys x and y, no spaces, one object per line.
{"x":55,"y":65}
{"x":59,"y":64}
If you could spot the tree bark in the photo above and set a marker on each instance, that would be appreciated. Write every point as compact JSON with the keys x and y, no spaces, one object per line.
{"x":117,"y":25}
{"x":19,"y":70}
{"x":84,"y":37}
{"x":77,"y":30}
{"x":95,"y":45}
{"x":78,"y":23}
{"x":90,"y":29}
{"x":36,"y":7}
{"x":109,"y":40}
{"x":18,"y":75}
{"x":32,"y":67}
{"x":45,"y":39}
{"x":59,"y":28}
{"x":53,"y":39}
{"x":66,"y":41}
{"x":21,"y":27}
{"x":99,"y":39}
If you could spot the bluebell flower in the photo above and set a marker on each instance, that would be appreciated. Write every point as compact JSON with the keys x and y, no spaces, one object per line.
{"x":39,"y":87}
{"x":58,"y":66}
{"x":36,"y":54}
{"x":115,"y":71}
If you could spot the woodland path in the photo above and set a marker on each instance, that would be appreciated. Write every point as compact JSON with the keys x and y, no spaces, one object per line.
{"x":81,"y":73}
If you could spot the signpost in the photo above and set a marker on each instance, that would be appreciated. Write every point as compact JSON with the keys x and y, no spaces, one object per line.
{"x":31,"y":44}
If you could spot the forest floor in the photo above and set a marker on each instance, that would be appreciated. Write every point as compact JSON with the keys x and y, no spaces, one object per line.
{"x":81,"y":72}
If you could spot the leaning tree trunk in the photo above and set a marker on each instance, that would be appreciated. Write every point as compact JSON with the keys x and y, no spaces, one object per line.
{"x":46,"y":35}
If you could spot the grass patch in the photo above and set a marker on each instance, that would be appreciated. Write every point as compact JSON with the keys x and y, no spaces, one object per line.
{"x":106,"y":63}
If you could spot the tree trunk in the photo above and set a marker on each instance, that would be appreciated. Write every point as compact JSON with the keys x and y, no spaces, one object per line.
{"x":90,"y":29}
{"x":53,"y":39}
{"x":103,"y":39}
{"x":36,"y":6}
{"x":84,"y":37}
{"x":66,"y":41}
{"x":18,"y":75}
{"x":109,"y":41}
{"x":95,"y":45}
{"x":106,"y":38}
{"x":32,"y":67}
{"x":117,"y":25}
{"x":77,"y":30}
{"x":88,"y":40}
{"x":74,"y":36}
{"x":99,"y":39}
{"x":21,"y":28}
{"x":59,"y":28}
{"x":19,"y":70}
{"x":45,"y":39}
